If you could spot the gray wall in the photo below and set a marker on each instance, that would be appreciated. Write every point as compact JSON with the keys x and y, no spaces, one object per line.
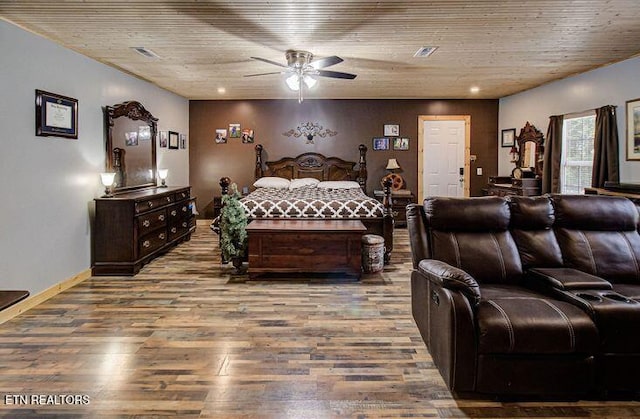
{"x":611,"y":85}
{"x":48,"y":184}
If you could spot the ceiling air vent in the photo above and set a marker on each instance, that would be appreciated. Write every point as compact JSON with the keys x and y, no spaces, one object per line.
{"x":425,"y":51}
{"x":146,"y":52}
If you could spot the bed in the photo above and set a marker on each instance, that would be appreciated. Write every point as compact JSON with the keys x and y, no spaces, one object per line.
{"x":320,"y":187}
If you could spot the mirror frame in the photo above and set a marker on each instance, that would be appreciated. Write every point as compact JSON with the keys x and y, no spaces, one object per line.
{"x":531,"y":133}
{"x":135,"y":111}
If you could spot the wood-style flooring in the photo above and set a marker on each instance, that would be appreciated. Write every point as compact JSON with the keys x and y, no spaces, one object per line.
{"x":188,"y":338}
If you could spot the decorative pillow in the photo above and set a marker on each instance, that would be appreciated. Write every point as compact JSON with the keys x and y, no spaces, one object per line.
{"x":303,"y":182}
{"x":338,"y":184}
{"x":272,"y":182}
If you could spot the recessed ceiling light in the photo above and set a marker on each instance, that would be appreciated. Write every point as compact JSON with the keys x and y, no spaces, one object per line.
{"x":222,"y":90}
{"x":425,"y":51}
{"x":146,"y":52}
{"x":474,"y":89}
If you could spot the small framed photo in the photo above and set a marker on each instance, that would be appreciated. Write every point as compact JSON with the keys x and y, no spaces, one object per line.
{"x":633,"y":129}
{"x":131,"y":138}
{"x":234,"y":131}
{"x":247,"y":136}
{"x":56,"y":115}
{"x":391,"y":130}
{"x":183,"y":140}
{"x":162,"y":139}
{"x":221,"y":136}
{"x":380,"y":143}
{"x":144,"y":132}
{"x":401,"y":143}
{"x":508,"y":137}
{"x":173,"y":140}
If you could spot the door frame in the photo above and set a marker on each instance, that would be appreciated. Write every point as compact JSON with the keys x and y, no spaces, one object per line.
{"x":467,"y":149}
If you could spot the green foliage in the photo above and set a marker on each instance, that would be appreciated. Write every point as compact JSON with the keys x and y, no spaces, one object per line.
{"x":233,"y":223}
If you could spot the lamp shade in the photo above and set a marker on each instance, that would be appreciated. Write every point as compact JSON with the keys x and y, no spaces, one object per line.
{"x":163,"y":173}
{"x":293,"y":82}
{"x":107,"y":178}
{"x":392,"y":164}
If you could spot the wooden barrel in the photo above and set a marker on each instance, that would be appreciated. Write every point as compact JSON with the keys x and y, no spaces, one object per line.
{"x":372,"y":253}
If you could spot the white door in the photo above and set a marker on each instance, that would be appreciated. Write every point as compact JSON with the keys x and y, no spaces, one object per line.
{"x":443,"y":158}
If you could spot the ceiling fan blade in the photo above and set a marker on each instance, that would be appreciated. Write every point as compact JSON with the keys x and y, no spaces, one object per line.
{"x":326,"y":62}
{"x":335,"y":74}
{"x":264,"y":74}
{"x":269,"y":61}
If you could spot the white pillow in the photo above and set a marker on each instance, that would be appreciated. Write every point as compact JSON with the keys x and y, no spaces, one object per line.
{"x":338,"y":184}
{"x":303,"y":182}
{"x":272,"y":182}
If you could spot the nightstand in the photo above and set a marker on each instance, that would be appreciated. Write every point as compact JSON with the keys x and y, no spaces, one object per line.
{"x":399,"y":201}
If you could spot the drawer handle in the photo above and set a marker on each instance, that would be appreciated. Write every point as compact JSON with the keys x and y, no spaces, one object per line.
{"x":184,"y":224}
{"x":146,"y":243}
{"x":150,"y":204}
{"x":161,"y":236}
{"x":168,"y":199}
{"x":184,"y":209}
{"x":161,"y":217}
{"x":173,"y":229}
{"x":146,"y":223}
{"x":174,"y":213}
{"x":184,"y":195}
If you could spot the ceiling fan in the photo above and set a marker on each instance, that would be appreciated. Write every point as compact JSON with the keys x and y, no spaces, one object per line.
{"x":303,"y":70}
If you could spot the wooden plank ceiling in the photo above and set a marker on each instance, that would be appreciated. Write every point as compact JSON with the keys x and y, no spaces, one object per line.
{"x":502,"y":47}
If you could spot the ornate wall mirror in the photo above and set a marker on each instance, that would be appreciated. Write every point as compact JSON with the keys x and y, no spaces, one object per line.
{"x":131,"y":145}
{"x":530,"y":149}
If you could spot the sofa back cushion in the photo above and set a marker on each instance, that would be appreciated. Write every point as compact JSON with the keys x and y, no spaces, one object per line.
{"x":599,"y":235}
{"x":472,"y":234}
{"x":532,"y":220}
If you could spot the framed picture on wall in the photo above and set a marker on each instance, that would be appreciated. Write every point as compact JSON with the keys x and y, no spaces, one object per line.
{"x":183,"y":140}
{"x":162,"y":137}
{"x":56,"y":115}
{"x":508,"y":137}
{"x":380,"y":143}
{"x":401,"y":143}
{"x":391,"y":130}
{"x":633,"y":129}
{"x":234,"y":130}
{"x":173,"y":140}
{"x":221,"y":136}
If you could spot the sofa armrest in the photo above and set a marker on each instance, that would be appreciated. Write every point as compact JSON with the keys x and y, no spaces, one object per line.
{"x":566,"y":279}
{"x":451,"y":277}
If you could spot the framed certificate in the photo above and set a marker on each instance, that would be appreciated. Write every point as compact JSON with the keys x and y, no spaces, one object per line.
{"x":56,"y":115}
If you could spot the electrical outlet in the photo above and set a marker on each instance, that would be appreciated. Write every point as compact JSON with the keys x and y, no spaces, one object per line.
{"x":479,"y":171}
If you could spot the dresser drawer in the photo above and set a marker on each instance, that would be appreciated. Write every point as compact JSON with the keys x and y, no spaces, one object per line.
{"x":151,"y":221}
{"x":178,"y":212}
{"x":147,"y":244}
{"x":151,"y":204}
{"x":180,"y":228}
{"x":179,"y":196}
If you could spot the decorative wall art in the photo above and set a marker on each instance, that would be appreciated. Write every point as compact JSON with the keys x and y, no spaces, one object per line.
{"x":183,"y":140}
{"x":162,"y":135}
{"x":173,"y":140}
{"x":131,"y":138}
{"x":56,"y":115}
{"x":508,"y":137}
{"x":380,"y":143}
{"x":633,"y":129}
{"x":401,"y":143}
{"x":221,"y":136}
{"x":144,"y":132}
{"x":309,"y":130}
{"x":391,"y":130}
{"x":247,"y":136}
{"x":234,"y":131}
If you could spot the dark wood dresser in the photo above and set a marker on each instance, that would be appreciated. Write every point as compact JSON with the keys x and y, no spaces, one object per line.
{"x":132,"y":228}
{"x":506,"y":185}
{"x":399,"y":201}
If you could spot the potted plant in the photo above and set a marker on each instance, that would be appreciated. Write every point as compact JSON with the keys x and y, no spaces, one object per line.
{"x":233,"y":223}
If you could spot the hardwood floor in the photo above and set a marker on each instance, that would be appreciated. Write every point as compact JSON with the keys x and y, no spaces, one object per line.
{"x":188,"y":338}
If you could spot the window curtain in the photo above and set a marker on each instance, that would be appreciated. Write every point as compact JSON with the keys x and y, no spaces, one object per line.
{"x":605,"y":148}
{"x":552,"y":156}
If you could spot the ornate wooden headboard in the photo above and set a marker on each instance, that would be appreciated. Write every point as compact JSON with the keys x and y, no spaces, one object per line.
{"x":314,"y":165}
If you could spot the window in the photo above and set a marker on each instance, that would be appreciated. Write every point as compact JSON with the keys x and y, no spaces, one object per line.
{"x":577,"y":153}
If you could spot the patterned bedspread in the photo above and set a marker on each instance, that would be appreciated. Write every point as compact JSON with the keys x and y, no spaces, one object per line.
{"x":310,"y":203}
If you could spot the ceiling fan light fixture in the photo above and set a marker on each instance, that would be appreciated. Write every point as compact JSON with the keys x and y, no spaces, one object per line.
{"x":309,"y":81}
{"x":293,"y":82}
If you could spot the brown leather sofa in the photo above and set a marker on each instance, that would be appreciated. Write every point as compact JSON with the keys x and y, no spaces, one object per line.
{"x":528,"y":296}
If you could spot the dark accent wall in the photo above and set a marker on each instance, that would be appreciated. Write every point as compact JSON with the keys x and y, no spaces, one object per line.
{"x":356,"y":121}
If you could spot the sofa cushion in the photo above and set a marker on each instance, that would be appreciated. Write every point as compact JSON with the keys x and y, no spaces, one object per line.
{"x":467,"y":214}
{"x":595,"y":213}
{"x":514,"y":320}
